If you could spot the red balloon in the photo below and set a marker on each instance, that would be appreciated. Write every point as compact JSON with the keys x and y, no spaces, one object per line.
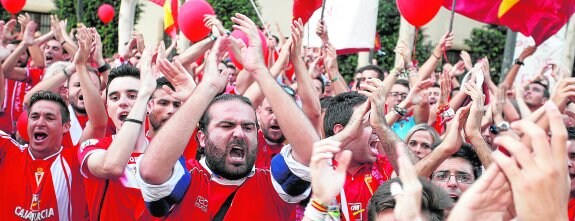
{"x":13,"y":6}
{"x":241,"y":35}
{"x":22,"y":126}
{"x":191,"y":19}
{"x":106,"y":13}
{"x":418,"y":12}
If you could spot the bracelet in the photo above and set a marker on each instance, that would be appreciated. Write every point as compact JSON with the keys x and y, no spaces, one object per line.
{"x":104,"y":68}
{"x":313,"y":213}
{"x":442,"y":108}
{"x":213,"y":37}
{"x":63,"y":42}
{"x":399,"y":110}
{"x":437,"y":57}
{"x":335,"y":79}
{"x":133,"y":120}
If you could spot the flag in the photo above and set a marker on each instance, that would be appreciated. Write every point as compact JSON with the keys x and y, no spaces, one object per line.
{"x":304,"y":9}
{"x":350,"y":25}
{"x":536,"y":18}
{"x":170,"y":16}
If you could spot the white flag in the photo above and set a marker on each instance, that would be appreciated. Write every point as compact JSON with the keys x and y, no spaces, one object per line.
{"x":350,"y":24}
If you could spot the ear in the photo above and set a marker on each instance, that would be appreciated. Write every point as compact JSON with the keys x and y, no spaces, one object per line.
{"x":337,"y":128}
{"x":149,"y":107}
{"x":201,"y":138}
{"x":65,"y":127}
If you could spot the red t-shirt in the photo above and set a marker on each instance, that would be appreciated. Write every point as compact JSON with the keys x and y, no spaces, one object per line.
{"x":360,"y":186}
{"x":112,"y":199}
{"x":266,"y":152}
{"x":571,"y":209}
{"x":56,"y":180}
{"x":21,"y":88}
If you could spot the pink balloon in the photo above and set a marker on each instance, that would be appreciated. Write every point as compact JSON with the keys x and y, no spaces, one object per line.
{"x":191,"y":19}
{"x":106,"y":13}
{"x":13,"y":6}
{"x":241,"y":35}
{"x":418,"y":12}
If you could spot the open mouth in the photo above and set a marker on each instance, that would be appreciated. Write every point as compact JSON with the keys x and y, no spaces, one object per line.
{"x":81,"y":97}
{"x":123,"y":115}
{"x":40,"y":136}
{"x":237,"y":153}
{"x":454,"y":197}
{"x":571,"y":176}
{"x":275,"y":127}
{"x":49,"y":58}
{"x":373,"y":146}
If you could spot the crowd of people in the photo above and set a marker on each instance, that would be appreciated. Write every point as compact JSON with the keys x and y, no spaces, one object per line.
{"x":150,"y":134}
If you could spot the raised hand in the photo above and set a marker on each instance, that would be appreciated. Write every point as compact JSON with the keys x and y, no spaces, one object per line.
{"x":96,"y":55}
{"x":359,"y":119}
{"x":321,"y":31}
{"x":23,"y":20}
{"x":130,"y":48}
{"x":56,"y":28}
{"x":176,"y":74}
{"x":445,"y":86}
{"x":473,"y":125}
{"x":330,"y":59}
{"x":216,"y":79}
{"x":147,"y":78}
{"x":327,"y":181}
{"x":9,"y":29}
{"x":252,"y":56}
{"x":84,"y":46}
{"x":487,"y":199}
{"x":408,"y":194}
{"x":296,"y":36}
{"x":212,"y":21}
{"x":445,"y":44}
{"x":139,"y":41}
{"x":539,"y":165}
{"x":528,"y":51}
{"x":453,"y":136}
{"x":28,"y":37}
{"x":466,"y":60}
{"x":457,"y":70}
{"x":402,"y":50}
{"x":375,"y":91}
{"x":564,"y":92}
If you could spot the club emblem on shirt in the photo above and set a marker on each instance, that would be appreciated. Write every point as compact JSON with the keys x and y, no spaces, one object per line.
{"x":39,"y":174}
{"x":35,"y":205}
{"x":202,"y":203}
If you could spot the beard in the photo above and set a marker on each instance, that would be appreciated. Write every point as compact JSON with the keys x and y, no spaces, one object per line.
{"x":78,"y":110}
{"x":266,"y":134}
{"x":216,"y":159}
{"x":156,"y":124}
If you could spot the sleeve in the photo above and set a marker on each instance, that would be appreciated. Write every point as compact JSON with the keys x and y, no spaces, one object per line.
{"x":290,"y":179}
{"x":160,"y":198}
{"x":87,"y":148}
{"x":6,"y":143}
{"x":34,"y":75}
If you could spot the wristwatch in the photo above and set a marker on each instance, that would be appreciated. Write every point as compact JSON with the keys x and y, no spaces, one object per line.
{"x":503,"y":126}
{"x":519,"y":62}
{"x":399,"y":110}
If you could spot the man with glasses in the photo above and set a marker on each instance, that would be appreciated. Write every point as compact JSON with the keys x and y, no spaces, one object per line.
{"x":456,"y":174}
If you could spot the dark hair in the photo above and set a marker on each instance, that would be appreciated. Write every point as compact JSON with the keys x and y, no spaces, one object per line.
{"x":325,"y":102}
{"x":340,"y":110}
{"x":232,"y":66}
{"x":53,"y":97}
{"x":122,"y":71}
{"x":161,"y":81}
{"x":435,"y":85}
{"x":403,"y":82}
{"x":276,"y":38}
{"x":371,"y":67}
{"x":468,"y":153}
{"x":434,"y":200}
{"x":546,"y":88}
{"x":205,"y":119}
{"x":320,"y":79}
{"x":571,"y":133}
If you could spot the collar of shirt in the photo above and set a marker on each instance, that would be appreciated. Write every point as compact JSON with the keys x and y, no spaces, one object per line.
{"x":224,"y":181}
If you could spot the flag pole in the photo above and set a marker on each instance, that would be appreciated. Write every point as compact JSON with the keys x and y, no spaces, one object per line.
{"x":262,"y":21}
{"x":452,"y":15}
{"x":322,"y":10}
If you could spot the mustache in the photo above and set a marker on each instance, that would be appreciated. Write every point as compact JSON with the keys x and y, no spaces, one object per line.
{"x":237,"y":142}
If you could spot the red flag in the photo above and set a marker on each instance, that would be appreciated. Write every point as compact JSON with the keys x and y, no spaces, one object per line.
{"x":170,"y":16}
{"x":535,"y":18}
{"x":304,"y":8}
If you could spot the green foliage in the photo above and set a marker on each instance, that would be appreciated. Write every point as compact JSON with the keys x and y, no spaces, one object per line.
{"x":108,"y":32}
{"x":488,"y":41}
{"x":388,"y":19}
{"x":225,"y":9}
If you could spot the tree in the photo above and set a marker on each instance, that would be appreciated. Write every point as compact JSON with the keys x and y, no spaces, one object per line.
{"x":387,"y":27}
{"x":66,"y":9}
{"x":225,"y":9}
{"x":488,"y":41}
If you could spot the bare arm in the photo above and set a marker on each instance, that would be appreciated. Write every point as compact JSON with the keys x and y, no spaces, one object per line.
{"x":112,"y":162}
{"x":195,"y":51}
{"x":472,"y":127}
{"x":167,"y":146}
{"x":512,"y":73}
{"x":339,"y":85}
{"x":428,"y":67}
{"x":9,"y":65}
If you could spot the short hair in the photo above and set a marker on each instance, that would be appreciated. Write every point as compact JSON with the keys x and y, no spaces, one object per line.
{"x":320,"y":79}
{"x":325,"y":102}
{"x":434,"y":135}
{"x":161,"y":81}
{"x":402,"y":82}
{"x":570,"y":133}
{"x":546,"y":88}
{"x":468,"y":153}
{"x":205,"y":119}
{"x":340,"y":110}
{"x":276,"y":38}
{"x":434,"y":200}
{"x":53,"y":97}
{"x":55,"y":68}
{"x":122,"y":71}
{"x":232,"y":66}
{"x":371,"y":67}
{"x":435,"y":85}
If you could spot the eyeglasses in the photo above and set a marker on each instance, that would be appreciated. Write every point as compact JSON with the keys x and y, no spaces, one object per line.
{"x":444,"y":176}
{"x":397,"y":94}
